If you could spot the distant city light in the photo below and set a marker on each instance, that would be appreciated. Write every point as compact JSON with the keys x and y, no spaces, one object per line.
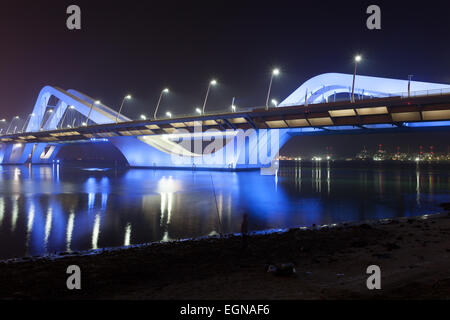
{"x":143,"y":117}
{"x":198,"y":110}
{"x":169,"y":114}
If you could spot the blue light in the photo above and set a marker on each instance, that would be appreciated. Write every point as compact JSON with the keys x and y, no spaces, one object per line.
{"x":343,"y":128}
{"x":378,"y":126}
{"x":98,"y":140}
{"x":428,"y":124}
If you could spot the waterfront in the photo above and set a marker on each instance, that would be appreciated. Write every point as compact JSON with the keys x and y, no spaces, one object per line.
{"x":47,"y":209}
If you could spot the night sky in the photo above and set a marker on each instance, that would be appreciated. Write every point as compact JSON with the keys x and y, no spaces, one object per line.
{"x":140,"y":47}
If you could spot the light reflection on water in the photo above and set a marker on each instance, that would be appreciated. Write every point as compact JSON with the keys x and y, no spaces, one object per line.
{"x":46,"y":209}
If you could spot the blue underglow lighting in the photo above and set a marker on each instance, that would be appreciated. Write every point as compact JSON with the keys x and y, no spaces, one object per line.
{"x":99,"y":140}
{"x":427,"y":124}
{"x":305,"y":130}
{"x":96,"y":169}
{"x":343,"y":128}
{"x":378,"y":126}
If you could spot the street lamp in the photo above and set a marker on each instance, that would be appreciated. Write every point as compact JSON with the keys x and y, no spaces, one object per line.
{"x":169,"y":114}
{"x":198,"y":110}
{"x":166,"y":90}
{"x":357,"y":59}
{"x":127,"y":97}
{"x":211,"y":83}
{"x":233,"y":108}
{"x":409,"y":85}
{"x":275,"y":72}
{"x":16,"y":117}
{"x":90,"y":110}
{"x":274,"y":102}
{"x":143,"y":117}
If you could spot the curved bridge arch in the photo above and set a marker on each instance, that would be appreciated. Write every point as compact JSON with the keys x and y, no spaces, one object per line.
{"x":321,"y":87}
{"x":82,"y":103}
{"x":152,"y":150}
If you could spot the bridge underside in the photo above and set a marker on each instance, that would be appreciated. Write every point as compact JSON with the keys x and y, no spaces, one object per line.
{"x":231,"y":152}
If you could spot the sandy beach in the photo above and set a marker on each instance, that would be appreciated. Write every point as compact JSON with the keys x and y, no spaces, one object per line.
{"x":330,"y":263}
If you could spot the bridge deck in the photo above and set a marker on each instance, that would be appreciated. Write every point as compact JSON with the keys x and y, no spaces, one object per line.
{"x":396,"y":111}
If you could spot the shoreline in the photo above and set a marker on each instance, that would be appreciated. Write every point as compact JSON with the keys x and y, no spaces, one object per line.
{"x":91,"y":252}
{"x":331,"y":260}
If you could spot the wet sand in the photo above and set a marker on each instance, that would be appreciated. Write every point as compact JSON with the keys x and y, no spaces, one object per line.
{"x":330,"y":262}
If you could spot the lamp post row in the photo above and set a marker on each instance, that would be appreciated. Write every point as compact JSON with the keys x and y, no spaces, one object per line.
{"x":275,"y":72}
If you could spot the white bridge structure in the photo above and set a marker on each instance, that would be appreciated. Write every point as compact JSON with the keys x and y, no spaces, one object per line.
{"x":249,"y":139}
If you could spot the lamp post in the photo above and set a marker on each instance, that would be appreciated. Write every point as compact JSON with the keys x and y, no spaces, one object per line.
{"x":357,"y":59}
{"x":143,"y":117}
{"x":198,"y":110}
{"x":166,"y":90}
{"x":275,"y":72}
{"x":169,"y":114}
{"x":211,"y":83}
{"x":90,"y":110}
{"x":409,"y":85}
{"x":127,"y":97}
{"x":16,"y":117}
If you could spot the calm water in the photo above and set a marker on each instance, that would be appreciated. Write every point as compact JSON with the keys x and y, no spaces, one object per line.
{"x":44,"y":209}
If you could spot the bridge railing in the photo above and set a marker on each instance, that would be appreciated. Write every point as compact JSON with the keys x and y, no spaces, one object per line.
{"x":422,"y":93}
{"x":361,"y":96}
{"x":4,"y":125}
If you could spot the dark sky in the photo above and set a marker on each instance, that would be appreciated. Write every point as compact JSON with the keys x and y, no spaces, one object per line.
{"x":139,"y":47}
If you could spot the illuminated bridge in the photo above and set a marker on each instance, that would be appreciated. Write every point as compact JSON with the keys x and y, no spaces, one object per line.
{"x":316,"y":107}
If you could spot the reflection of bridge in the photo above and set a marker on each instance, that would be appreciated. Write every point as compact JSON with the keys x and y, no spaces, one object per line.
{"x":153,"y":142}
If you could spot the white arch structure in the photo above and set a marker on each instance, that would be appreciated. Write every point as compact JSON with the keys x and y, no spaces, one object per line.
{"x":158,"y":150}
{"x":319,"y":88}
{"x":148,"y":150}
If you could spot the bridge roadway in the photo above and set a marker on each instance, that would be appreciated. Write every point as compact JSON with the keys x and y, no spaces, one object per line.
{"x":396,"y":112}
